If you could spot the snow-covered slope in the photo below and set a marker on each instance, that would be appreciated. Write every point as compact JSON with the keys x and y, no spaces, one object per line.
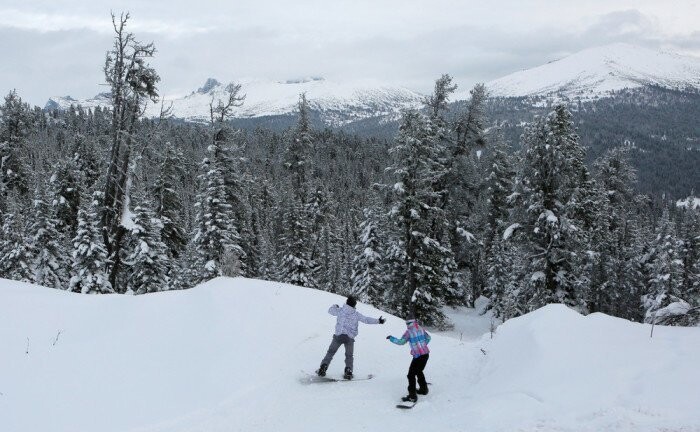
{"x":337,"y":103}
{"x":597,"y":71}
{"x":226,"y":356}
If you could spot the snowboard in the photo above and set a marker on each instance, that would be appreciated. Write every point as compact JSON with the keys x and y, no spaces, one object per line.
{"x":406,"y":405}
{"x":313,"y":378}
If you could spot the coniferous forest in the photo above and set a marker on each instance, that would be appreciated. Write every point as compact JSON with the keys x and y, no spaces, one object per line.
{"x":445,"y":211}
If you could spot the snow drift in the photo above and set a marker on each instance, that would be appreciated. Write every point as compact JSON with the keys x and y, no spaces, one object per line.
{"x":227,"y":355}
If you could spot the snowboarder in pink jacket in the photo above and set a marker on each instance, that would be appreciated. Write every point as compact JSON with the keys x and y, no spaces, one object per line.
{"x":418,"y":339}
{"x":346,"y":329}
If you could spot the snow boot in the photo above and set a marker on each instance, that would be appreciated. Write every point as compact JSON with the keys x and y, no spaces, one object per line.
{"x":322,"y":370}
{"x":348,"y":374}
{"x":410,"y":398}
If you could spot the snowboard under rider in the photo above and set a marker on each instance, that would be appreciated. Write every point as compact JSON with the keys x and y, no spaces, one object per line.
{"x":418,"y":339}
{"x":345,"y":332}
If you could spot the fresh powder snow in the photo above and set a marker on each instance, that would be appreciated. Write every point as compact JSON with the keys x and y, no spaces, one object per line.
{"x":228,"y":355}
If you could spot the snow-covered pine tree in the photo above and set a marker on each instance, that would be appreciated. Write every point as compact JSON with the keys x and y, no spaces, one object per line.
{"x":689,"y":253}
{"x":417,"y":213}
{"x":216,"y":238}
{"x":89,"y":268}
{"x":147,"y":258}
{"x":16,"y":121}
{"x":466,"y":186}
{"x":296,"y":265}
{"x":665,"y":269}
{"x":16,"y":257}
{"x":504,"y":275}
{"x":368,"y":277}
{"x":549,"y":172}
{"x":49,"y":263}
{"x":612,"y":289}
{"x":223,"y":150}
{"x":296,"y":154}
{"x":64,"y":188}
{"x":167,"y":201}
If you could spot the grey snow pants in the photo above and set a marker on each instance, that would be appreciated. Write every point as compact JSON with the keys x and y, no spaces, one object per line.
{"x":335,"y":344}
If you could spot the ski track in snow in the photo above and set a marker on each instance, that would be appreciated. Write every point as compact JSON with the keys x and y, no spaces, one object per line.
{"x":226,"y":356}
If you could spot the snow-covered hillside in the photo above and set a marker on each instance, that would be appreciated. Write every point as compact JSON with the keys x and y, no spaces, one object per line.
{"x":227,"y":356}
{"x":337,"y":103}
{"x":596,"y":72}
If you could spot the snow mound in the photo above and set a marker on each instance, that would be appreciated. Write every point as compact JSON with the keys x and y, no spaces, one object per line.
{"x":597,"y":72}
{"x":228,"y":355}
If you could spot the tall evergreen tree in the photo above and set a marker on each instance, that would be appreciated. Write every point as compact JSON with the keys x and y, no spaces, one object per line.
{"x":168,"y":202}
{"x":49,"y":255}
{"x":89,"y":269}
{"x":428,"y":264}
{"x":216,"y":238}
{"x":147,"y":257}
{"x":552,"y":157}
{"x":368,"y":279}
{"x":15,"y":253}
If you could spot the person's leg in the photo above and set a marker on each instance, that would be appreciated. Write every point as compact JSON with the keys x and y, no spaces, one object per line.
{"x":422,"y":384}
{"x":412,"y":371}
{"x":349,"y":351}
{"x":332,"y":348}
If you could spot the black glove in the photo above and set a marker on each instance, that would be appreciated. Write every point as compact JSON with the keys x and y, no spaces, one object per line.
{"x":388,"y":337}
{"x":381,"y":320}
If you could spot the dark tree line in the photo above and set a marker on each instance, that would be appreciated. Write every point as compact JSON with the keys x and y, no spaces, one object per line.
{"x":107,"y":201}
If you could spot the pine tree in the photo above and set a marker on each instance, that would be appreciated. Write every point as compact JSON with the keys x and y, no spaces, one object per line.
{"x":367,"y":269}
{"x":16,"y":121}
{"x":296,"y":264}
{"x":612,"y":289}
{"x":89,"y":269}
{"x":64,"y":188}
{"x":550,"y":172}
{"x":216,"y":238}
{"x":147,"y":258}
{"x":168,"y":203}
{"x":15,"y":254}
{"x":132,"y":82}
{"x":47,"y":249}
{"x":665,"y":269}
{"x":428,"y":264}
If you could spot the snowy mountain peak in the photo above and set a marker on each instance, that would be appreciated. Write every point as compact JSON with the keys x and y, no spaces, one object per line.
{"x":596,"y":72}
{"x":209,"y":84}
{"x":337,"y":103}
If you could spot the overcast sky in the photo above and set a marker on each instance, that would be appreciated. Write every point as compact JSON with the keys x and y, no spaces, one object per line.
{"x":57,"y":47}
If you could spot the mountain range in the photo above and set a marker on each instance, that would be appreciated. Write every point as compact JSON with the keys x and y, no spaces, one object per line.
{"x":589,"y":74}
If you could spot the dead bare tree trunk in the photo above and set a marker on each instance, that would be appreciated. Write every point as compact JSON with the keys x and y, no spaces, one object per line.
{"x":132,"y":83}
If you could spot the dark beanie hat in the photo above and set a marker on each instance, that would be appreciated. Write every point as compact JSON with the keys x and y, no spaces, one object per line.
{"x":351,"y":301}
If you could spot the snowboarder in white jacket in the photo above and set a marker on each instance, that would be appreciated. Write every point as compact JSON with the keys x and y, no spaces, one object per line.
{"x":346,"y":328}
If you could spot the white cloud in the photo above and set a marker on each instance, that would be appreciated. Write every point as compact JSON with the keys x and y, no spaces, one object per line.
{"x":57,"y":47}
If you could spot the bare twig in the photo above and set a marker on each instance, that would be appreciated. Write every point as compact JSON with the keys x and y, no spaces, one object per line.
{"x":56,"y":339}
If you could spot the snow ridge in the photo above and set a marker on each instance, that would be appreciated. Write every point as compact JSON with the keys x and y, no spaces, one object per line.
{"x":598,"y":72}
{"x":337,"y":103}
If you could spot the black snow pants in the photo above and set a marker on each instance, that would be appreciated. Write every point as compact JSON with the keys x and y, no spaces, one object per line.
{"x":416,"y":371}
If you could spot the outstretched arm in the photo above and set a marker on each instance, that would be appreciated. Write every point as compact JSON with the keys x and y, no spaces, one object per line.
{"x":334,"y":310}
{"x":367,"y":320}
{"x":401,"y":341}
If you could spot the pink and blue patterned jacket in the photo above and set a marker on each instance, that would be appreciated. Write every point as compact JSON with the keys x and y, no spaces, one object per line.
{"x":417,"y":338}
